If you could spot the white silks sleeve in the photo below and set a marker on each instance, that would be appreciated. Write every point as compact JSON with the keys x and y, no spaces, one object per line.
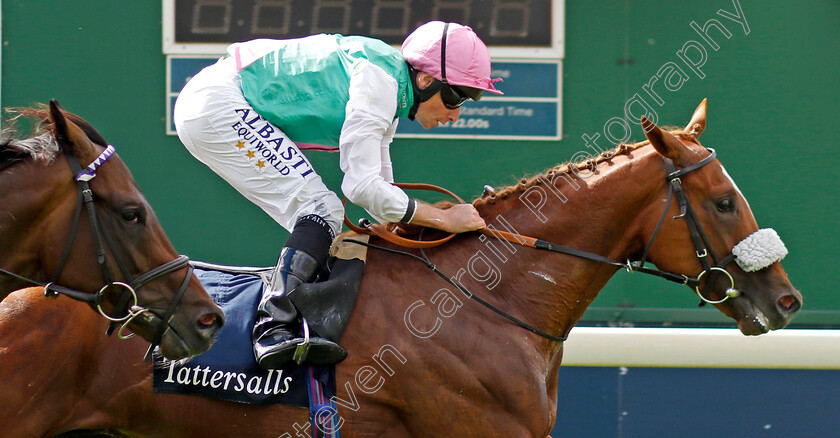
{"x":365,"y":143}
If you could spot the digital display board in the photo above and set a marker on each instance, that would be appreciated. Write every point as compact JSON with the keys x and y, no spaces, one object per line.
{"x":501,"y":23}
{"x":525,"y":39}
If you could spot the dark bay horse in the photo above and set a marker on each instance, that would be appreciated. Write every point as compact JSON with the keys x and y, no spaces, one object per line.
{"x":425,"y":360}
{"x":90,"y":233}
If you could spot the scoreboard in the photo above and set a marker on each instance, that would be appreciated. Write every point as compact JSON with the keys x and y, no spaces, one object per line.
{"x":525,"y":39}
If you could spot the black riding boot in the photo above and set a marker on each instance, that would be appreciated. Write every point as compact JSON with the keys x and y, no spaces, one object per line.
{"x":277,"y":332}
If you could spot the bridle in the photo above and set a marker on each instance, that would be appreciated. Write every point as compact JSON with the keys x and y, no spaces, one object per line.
{"x":703,"y":249}
{"x":127,"y":303}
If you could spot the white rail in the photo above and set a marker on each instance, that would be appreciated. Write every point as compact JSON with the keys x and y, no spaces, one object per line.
{"x":703,"y":348}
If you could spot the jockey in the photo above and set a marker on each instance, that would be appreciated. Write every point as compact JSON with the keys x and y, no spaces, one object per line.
{"x":249,"y":115}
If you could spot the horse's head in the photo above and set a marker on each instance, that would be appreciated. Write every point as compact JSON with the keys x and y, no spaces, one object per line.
{"x":118,"y":242}
{"x":725,"y":249}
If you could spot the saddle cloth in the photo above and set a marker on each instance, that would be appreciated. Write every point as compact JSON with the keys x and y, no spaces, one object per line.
{"x":228,"y":371}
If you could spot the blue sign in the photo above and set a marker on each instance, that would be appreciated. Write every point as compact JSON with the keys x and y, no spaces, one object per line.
{"x":527,"y":79}
{"x":182,"y":70}
{"x":529,"y":109}
{"x":497,"y":119}
{"x":179,"y":70}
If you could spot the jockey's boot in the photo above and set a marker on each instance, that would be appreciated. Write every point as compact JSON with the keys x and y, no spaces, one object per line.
{"x":277,"y":330}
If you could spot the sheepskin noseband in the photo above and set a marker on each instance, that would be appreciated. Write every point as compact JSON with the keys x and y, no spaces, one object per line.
{"x":759,"y":250}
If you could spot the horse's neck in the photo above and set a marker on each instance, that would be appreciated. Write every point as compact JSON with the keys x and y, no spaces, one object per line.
{"x":603,"y":214}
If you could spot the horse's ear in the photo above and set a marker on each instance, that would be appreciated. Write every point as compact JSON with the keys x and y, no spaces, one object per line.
{"x":71,"y":139}
{"x":664,"y":142}
{"x":698,"y":120}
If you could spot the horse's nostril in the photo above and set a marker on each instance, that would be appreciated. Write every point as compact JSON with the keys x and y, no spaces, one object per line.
{"x":208,"y":319}
{"x":789,"y":304}
{"x":210,"y":322}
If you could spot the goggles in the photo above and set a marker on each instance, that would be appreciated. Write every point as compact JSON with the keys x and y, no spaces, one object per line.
{"x":451,"y":97}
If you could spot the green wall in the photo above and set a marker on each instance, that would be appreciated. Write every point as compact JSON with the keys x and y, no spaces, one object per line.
{"x":773,"y":108}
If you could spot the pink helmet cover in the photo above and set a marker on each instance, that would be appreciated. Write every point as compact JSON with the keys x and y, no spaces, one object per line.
{"x":467,"y":58}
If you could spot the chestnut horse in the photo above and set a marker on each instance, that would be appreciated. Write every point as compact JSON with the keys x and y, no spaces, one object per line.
{"x":425,"y":360}
{"x":90,"y":234}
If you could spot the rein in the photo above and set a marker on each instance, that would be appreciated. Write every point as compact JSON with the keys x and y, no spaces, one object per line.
{"x":368,"y":227}
{"x":425,"y":260}
{"x":698,"y":237}
{"x":128,"y":301}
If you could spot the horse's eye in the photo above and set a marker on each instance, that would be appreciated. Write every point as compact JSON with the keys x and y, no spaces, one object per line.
{"x":132,"y":215}
{"x":725,"y":205}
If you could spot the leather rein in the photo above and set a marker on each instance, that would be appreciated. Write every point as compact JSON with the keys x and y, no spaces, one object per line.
{"x":703,"y":249}
{"x":128,"y":301}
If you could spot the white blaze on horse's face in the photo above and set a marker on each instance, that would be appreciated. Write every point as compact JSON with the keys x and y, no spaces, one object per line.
{"x":735,"y":186}
{"x":767,"y":299}
{"x":736,"y":259}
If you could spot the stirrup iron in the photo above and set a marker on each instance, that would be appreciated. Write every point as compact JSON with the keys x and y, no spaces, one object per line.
{"x":302,"y":349}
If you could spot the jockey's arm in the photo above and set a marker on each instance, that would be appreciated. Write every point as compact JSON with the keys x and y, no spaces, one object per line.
{"x":456,"y":219}
{"x":365,"y":159}
{"x":365,"y":142}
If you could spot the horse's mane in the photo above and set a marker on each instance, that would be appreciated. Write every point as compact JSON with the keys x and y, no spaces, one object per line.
{"x":567,"y":167}
{"x":40,"y":144}
{"x":548,"y":175}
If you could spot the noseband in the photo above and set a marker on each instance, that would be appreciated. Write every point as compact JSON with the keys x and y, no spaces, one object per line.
{"x":766,"y":243}
{"x":127,"y":302}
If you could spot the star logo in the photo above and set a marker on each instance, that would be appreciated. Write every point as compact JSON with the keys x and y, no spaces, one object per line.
{"x":250,"y":154}
{"x":260,"y":164}
{"x":240,"y":145}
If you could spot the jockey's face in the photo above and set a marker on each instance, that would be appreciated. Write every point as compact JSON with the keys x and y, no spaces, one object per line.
{"x":433,"y":112}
